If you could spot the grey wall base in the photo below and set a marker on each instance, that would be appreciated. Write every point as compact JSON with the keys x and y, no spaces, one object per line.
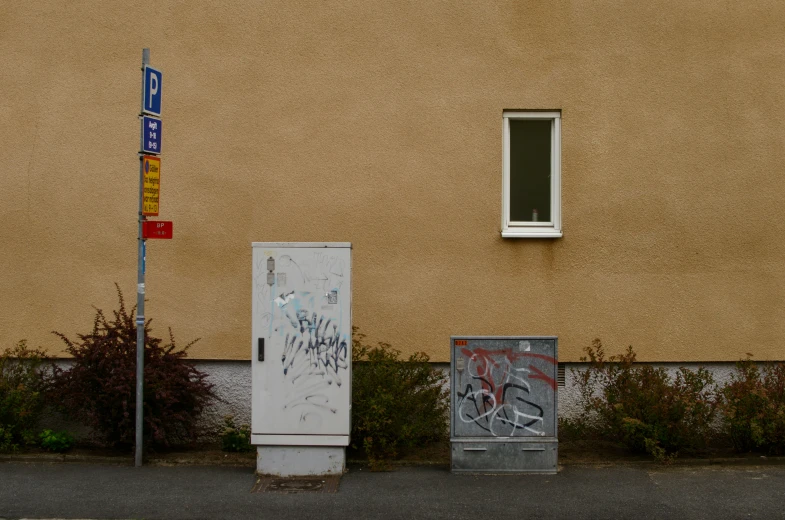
{"x":298,"y":461}
{"x":504,"y":455}
{"x":232,"y":380}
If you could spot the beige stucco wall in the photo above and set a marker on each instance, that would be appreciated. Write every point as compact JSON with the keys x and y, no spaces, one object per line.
{"x":380,"y":123}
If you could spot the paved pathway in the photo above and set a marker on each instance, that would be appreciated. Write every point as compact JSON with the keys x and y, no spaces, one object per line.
{"x":57,"y":490}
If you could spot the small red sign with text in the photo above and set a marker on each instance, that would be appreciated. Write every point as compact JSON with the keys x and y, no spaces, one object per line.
{"x":157,"y":229}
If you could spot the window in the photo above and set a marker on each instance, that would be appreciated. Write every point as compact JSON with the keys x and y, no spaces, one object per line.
{"x":531,"y":203}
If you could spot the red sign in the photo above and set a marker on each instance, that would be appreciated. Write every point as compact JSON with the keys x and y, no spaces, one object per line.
{"x":157,"y":229}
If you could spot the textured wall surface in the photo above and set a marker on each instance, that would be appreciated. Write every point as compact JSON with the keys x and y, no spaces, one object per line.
{"x":379,"y":123}
{"x":569,"y":394}
{"x":232,"y":380}
{"x":232,"y":386}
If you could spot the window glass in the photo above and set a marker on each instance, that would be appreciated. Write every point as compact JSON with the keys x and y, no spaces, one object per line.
{"x":530,"y":170}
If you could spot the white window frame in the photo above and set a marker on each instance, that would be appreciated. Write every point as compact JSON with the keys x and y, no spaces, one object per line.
{"x":552,"y":229}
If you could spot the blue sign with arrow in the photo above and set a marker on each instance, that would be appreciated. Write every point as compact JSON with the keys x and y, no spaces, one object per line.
{"x":151,"y":93}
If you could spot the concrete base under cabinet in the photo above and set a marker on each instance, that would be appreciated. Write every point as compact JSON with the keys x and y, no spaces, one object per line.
{"x":299,"y":461}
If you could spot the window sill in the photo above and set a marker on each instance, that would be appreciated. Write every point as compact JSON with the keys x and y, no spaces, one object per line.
{"x":532,"y":233}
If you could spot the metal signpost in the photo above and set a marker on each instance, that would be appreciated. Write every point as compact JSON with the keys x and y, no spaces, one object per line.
{"x":149,"y":190}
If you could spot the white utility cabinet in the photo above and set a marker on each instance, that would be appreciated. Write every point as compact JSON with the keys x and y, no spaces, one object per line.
{"x":301,"y":355}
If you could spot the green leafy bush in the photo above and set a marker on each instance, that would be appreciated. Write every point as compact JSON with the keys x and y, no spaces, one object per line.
{"x":236,"y":438}
{"x":395,"y":403}
{"x":574,"y":429}
{"x":24,"y":374}
{"x":57,"y":442}
{"x":643,"y":407}
{"x":100,"y":387}
{"x":753,"y":407}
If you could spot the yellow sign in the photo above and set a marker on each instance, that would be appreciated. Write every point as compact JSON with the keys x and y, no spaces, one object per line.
{"x":151,"y":175}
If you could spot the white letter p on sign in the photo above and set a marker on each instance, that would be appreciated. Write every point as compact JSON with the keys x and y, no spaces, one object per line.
{"x":153,"y":88}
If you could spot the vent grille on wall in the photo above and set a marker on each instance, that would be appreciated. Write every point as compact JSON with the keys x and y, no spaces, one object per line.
{"x":560,"y":375}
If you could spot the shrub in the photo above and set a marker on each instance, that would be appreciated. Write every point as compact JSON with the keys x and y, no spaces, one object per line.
{"x":753,"y":407}
{"x":395,"y":403}
{"x":573,"y":429}
{"x":234,"y":438}
{"x":643,"y":407}
{"x":24,"y":374}
{"x":100,"y":387}
{"x":57,"y":442}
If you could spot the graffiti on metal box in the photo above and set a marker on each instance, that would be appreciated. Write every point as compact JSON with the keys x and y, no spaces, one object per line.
{"x":314,"y":359}
{"x":499,"y":396}
{"x":300,"y":311}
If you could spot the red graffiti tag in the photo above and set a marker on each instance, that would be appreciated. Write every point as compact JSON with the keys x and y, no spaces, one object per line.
{"x":486,"y":360}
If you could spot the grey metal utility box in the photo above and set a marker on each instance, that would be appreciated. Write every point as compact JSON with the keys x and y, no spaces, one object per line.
{"x":503,"y":404}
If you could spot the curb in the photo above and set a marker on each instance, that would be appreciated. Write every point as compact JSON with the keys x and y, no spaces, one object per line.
{"x":52,"y":458}
{"x":685,"y":462}
{"x":402,"y":463}
{"x":121,"y":461}
{"x":761,"y":460}
{"x":196,"y":461}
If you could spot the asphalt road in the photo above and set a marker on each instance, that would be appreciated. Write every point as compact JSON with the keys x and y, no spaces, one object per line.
{"x":52,"y":490}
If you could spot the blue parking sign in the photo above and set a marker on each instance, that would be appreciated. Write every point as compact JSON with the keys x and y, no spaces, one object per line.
{"x":151,"y":135}
{"x":151,"y":102}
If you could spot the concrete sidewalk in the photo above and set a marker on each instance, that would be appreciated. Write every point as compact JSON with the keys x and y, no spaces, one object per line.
{"x":56,"y":490}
